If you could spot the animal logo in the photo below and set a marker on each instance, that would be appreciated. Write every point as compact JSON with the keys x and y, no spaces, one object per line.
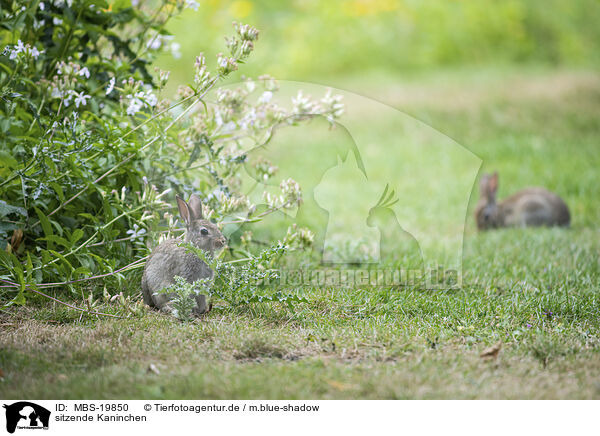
{"x":342,"y":169}
{"x":333,"y":145}
{"x":25,"y":414}
{"x":394,"y":241}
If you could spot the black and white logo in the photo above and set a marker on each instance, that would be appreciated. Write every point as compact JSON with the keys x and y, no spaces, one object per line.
{"x":26,"y":415}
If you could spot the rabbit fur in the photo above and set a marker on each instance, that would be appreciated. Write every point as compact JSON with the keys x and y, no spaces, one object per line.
{"x":169,"y":259}
{"x":526,"y":208}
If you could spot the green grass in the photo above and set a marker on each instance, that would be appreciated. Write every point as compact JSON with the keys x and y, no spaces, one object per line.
{"x":535,"y":290}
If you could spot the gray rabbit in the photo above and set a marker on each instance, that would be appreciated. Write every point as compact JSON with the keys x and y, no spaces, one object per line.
{"x":526,"y":208}
{"x":169,"y":260}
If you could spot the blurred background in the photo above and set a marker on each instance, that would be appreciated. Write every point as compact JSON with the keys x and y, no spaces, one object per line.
{"x":514,"y":82}
{"x":321,"y":41}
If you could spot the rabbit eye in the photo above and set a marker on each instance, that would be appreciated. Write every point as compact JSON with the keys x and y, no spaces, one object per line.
{"x":204,"y":231}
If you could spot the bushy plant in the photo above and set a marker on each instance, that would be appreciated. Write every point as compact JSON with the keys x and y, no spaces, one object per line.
{"x":254,"y":281}
{"x":182,"y":297}
{"x":92,"y":151}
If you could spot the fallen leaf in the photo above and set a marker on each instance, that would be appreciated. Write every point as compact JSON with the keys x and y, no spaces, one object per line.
{"x":491,"y":352}
{"x":17,"y":238}
{"x":337,"y":385}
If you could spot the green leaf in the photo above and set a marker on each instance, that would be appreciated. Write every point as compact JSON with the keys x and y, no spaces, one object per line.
{"x":8,"y":160}
{"x":76,"y":236}
{"x":10,"y":262}
{"x":193,"y":155}
{"x":45,"y":222}
{"x":89,"y":216}
{"x":18,"y":300}
{"x":6,"y":209}
{"x":81,"y":271}
{"x":29,"y":266}
{"x":63,"y":258}
{"x":57,"y":239}
{"x":59,"y":191}
{"x":107,"y":209}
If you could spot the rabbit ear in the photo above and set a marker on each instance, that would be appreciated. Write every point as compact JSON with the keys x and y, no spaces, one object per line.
{"x":488,"y":186}
{"x":493,"y":185}
{"x":195,"y":207}
{"x":184,"y":210}
{"x":483,"y":184}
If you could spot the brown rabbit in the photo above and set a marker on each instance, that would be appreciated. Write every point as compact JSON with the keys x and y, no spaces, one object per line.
{"x":526,"y":208}
{"x":169,"y":260}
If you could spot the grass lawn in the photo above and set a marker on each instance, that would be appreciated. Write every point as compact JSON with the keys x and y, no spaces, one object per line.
{"x":534,"y":290}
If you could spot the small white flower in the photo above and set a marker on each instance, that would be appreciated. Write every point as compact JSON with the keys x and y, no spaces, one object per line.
{"x":136,"y":232}
{"x":111,"y":86}
{"x":35,"y":52}
{"x":175,"y":47}
{"x":226,"y":64}
{"x":246,"y":32}
{"x":80,"y":99}
{"x":249,"y":119}
{"x":246,"y":48}
{"x":67,"y":100}
{"x":163,"y":77}
{"x":57,"y":21}
{"x":265,"y":97}
{"x":192,"y":4}
{"x":250,"y":86}
{"x":218,"y":118}
{"x":151,"y":99}
{"x":303,"y":105}
{"x":228,"y":127}
{"x":19,"y":48}
{"x":146,"y":97}
{"x":158,"y":41}
{"x":42,"y":6}
{"x":56,"y":93}
{"x":134,"y":106}
{"x":84,"y":72}
{"x":154,"y":44}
